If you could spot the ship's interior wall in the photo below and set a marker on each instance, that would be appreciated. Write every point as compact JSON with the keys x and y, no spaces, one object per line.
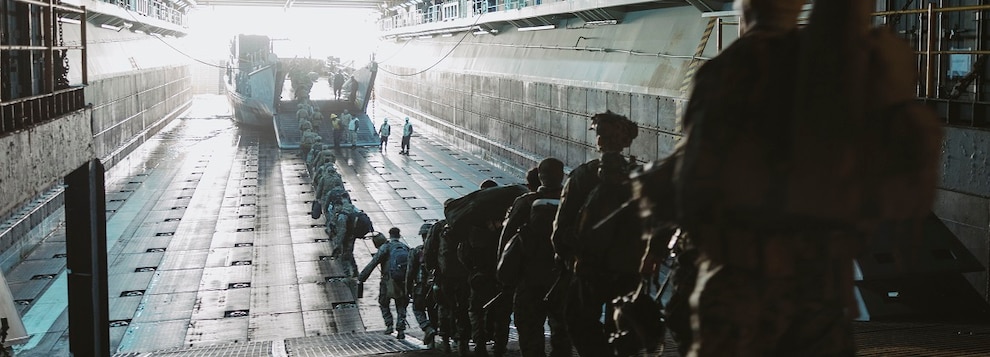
{"x":964,"y":189}
{"x":515,"y":98}
{"x":131,"y":107}
{"x":520,"y":96}
{"x":137,"y":85}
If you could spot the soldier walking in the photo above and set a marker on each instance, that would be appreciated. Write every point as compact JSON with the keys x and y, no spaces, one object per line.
{"x":528,"y":264}
{"x":776,"y":237}
{"x":603,"y":262}
{"x":392,"y":260}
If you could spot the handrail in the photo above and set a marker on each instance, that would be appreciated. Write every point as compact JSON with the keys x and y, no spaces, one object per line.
{"x":940,"y":9}
{"x":39,"y":96}
{"x":63,"y":7}
{"x":26,"y":112}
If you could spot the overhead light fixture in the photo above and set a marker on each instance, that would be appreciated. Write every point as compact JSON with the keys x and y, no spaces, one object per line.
{"x":535,"y":28}
{"x":424,"y":37}
{"x":69,"y":21}
{"x":601,"y":22}
{"x":447,"y":35}
{"x":110,"y":27}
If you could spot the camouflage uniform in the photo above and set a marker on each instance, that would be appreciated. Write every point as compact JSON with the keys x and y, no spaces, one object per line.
{"x":479,"y":253}
{"x":603,"y":264}
{"x":393,"y":290}
{"x":309,"y":138}
{"x":454,"y":289}
{"x":767,"y":283}
{"x":316,"y":118}
{"x":417,"y":285}
{"x":302,"y":113}
{"x":347,"y":240}
{"x":538,"y":273}
{"x":305,"y":125}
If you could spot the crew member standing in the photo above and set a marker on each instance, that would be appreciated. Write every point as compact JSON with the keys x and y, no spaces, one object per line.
{"x":407,"y":131}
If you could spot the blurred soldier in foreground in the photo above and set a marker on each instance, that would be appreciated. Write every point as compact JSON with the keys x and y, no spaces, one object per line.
{"x":786,"y":168}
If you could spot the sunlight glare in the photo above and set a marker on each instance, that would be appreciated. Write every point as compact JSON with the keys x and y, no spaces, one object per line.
{"x":350,"y":34}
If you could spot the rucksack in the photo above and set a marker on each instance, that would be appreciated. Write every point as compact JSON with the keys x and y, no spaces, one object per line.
{"x":316,"y":210}
{"x":398,"y":261}
{"x":542,"y":213}
{"x":609,"y":233}
{"x":360,"y":224}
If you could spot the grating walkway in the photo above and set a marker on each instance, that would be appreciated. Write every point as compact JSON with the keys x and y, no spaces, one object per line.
{"x":341,"y":345}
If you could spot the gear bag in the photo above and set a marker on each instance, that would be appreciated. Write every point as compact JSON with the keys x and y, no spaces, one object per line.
{"x":360,"y":224}
{"x":542,"y":213}
{"x":398,"y":261}
{"x":316,"y":210}
{"x":608,"y":231}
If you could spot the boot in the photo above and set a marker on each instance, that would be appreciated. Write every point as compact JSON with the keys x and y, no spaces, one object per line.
{"x":430,"y":336}
{"x":401,"y":335}
{"x":463,"y":349}
{"x":480,"y":350}
{"x":389,"y":329}
{"x":444,"y":345}
{"x":498,"y":350}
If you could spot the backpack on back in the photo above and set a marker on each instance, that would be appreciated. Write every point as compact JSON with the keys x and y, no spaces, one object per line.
{"x":398,"y":261}
{"x":542,"y":213}
{"x":360,"y":224}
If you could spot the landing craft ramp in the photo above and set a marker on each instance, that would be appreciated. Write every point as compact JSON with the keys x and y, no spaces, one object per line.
{"x":354,"y":99}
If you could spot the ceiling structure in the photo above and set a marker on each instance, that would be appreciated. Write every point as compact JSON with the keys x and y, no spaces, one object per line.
{"x":703,"y":5}
{"x":342,"y":4}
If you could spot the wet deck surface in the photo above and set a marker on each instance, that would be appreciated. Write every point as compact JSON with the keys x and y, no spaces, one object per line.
{"x":210,"y":242}
{"x":212,"y":252}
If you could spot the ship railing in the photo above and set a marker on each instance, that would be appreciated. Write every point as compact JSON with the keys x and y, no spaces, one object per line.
{"x":951,"y":58}
{"x":23,"y":113}
{"x":949,"y":52}
{"x":55,"y":96}
{"x":430,"y":12}
{"x":156,"y":9}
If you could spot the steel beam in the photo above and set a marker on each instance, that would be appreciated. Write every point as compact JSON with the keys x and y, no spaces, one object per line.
{"x":86,"y":261}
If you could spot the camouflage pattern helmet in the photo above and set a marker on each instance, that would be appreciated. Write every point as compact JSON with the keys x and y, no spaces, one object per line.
{"x":615,"y":132}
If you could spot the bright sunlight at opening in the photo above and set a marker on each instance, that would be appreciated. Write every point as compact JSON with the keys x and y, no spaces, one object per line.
{"x":350,"y":34}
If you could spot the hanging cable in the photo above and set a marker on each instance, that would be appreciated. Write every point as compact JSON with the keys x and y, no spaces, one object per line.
{"x":173,"y":47}
{"x":441,"y":58}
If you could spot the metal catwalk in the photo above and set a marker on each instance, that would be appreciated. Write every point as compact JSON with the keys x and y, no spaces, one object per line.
{"x":212,"y":251}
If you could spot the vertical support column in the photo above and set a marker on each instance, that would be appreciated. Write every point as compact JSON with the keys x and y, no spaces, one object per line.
{"x":86,"y":261}
{"x":929,"y":60}
{"x":4,"y":81}
{"x":82,"y":40}
{"x":48,"y":26}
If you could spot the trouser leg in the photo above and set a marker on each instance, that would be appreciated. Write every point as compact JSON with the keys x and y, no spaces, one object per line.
{"x":383,"y":304}
{"x":401,"y":306}
{"x":422,"y":319}
{"x":529,"y":316}
{"x":584,"y":313}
